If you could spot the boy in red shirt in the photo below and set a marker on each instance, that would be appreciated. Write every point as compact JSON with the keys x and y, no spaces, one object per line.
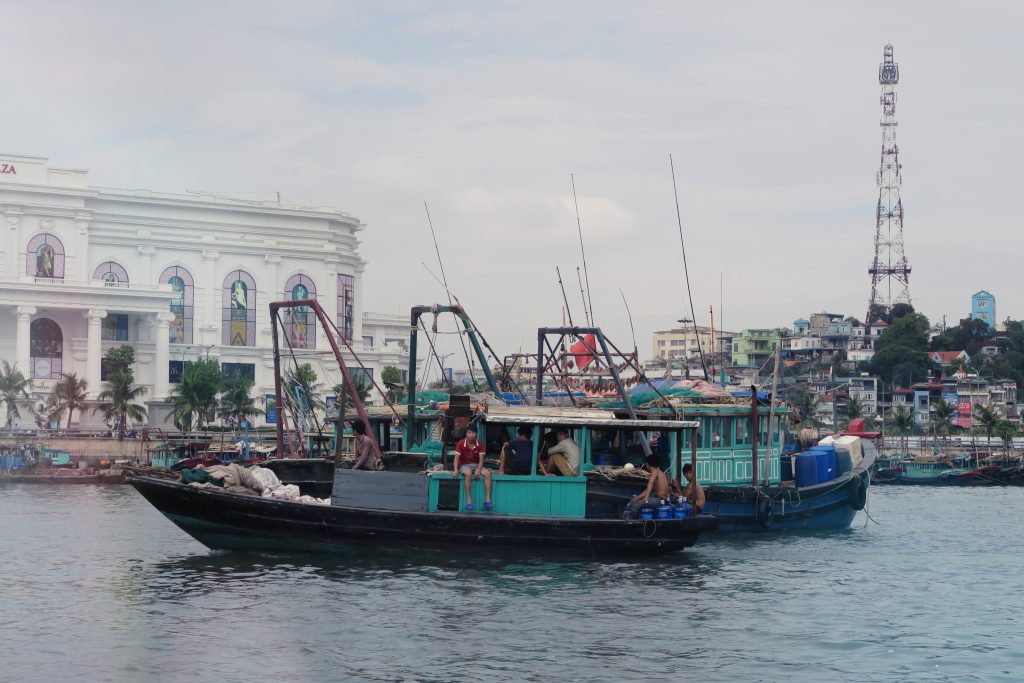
{"x":469,"y":462}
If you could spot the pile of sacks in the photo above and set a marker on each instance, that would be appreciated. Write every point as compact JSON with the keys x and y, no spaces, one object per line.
{"x":255,"y":480}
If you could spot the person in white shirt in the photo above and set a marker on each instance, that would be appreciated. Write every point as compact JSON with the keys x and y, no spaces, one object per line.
{"x":563,"y":457}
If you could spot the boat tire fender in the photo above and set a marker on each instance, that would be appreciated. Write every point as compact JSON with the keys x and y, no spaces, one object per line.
{"x":765,"y":516}
{"x":859,"y":493}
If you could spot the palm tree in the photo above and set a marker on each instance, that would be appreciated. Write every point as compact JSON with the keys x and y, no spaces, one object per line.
{"x":304,"y":377}
{"x":195,"y":396}
{"x":853,"y":408}
{"x":236,"y":404}
{"x":362,"y":390}
{"x":69,"y":395}
{"x":118,"y":401}
{"x":942,"y":414}
{"x":903,"y":422}
{"x":806,"y":405}
{"x":1006,"y":431}
{"x":988,"y":417}
{"x":13,"y":390}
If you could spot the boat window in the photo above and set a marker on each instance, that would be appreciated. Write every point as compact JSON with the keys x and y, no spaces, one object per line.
{"x":762,"y":430}
{"x":742,"y":431}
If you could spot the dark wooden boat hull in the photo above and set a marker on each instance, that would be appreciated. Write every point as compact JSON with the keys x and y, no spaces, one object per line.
{"x":230,"y":521}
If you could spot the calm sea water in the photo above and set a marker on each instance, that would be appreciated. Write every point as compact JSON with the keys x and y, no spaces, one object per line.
{"x":98,"y":586}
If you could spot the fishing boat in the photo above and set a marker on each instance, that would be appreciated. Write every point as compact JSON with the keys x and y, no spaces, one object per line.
{"x":428,"y":509}
{"x":737,"y":448}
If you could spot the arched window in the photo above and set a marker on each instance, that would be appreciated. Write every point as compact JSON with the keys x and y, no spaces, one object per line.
{"x":44,"y":256}
{"x":182,"y":305}
{"x":299,"y":323}
{"x":238,"y":322}
{"x":112,"y":273}
{"x":346,"y":305}
{"x":46,"y":349}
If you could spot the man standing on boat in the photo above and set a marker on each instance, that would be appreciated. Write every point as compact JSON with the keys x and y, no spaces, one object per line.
{"x":563,"y":456}
{"x":469,"y":463}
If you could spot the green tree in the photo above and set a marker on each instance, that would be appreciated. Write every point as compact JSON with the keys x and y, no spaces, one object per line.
{"x":853,"y":408}
{"x":805,"y":405}
{"x":362,"y":390}
{"x":988,"y":417}
{"x":195,"y":397}
{"x":392,"y":379}
{"x":969,"y":335}
{"x":902,"y":420}
{"x":305,"y":378}
{"x":120,"y":359}
{"x":119,"y":400}
{"x":942,"y":416}
{"x":236,"y":401}
{"x":13,"y":390}
{"x":1006,"y":431}
{"x":68,"y":395}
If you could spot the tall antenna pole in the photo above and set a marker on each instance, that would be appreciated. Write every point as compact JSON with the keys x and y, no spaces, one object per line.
{"x":444,"y":281}
{"x":890,"y":271}
{"x":686,"y":269}
{"x":586,"y":313}
{"x":579,"y":226}
{"x":568,"y":311}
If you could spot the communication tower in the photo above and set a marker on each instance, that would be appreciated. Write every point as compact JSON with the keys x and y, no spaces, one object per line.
{"x":890,"y":271}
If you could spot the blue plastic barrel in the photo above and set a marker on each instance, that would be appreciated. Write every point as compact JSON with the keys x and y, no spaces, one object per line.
{"x":807,"y":468}
{"x":664,"y":511}
{"x":844,"y":462}
{"x":646,"y":511}
{"x":683,"y":510}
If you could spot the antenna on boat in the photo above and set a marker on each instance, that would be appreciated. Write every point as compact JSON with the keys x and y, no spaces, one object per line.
{"x":686,"y":270}
{"x":444,"y":279}
{"x":568,"y":311}
{"x":579,"y":226}
{"x":586,"y":314}
{"x":629,"y":315}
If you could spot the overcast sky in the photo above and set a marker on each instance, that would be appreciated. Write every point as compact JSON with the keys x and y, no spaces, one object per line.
{"x":484,"y":109}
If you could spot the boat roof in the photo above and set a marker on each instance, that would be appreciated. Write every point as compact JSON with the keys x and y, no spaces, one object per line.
{"x":578,"y":417}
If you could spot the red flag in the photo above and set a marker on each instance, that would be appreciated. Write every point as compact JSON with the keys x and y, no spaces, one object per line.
{"x":580,"y":351}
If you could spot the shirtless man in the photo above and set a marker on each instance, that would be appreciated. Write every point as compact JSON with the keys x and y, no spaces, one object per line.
{"x":656,"y":485}
{"x":693,"y":493}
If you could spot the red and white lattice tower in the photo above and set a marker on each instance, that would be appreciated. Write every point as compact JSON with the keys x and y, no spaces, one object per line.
{"x":890,"y":271}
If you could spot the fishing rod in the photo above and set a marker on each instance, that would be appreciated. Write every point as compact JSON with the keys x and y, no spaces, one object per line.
{"x":629,"y":315}
{"x":444,"y":279}
{"x":686,"y":270}
{"x":579,"y":226}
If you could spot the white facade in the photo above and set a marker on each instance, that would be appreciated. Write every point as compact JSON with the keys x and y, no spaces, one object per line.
{"x":85,"y":268}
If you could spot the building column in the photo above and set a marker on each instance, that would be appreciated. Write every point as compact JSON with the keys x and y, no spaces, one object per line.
{"x":328,"y":299}
{"x":211,"y":318}
{"x":83,"y":273}
{"x":94,"y":350}
{"x":23,"y":339}
{"x":161,"y":385}
{"x":357,"y":314}
{"x":11,"y":237}
{"x":147,"y":265}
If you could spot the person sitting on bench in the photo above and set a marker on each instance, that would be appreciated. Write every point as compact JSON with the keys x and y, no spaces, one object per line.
{"x":517,"y":454}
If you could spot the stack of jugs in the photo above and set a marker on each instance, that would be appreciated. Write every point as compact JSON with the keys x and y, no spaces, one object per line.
{"x":647,"y":510}
{"x":664,"y":511}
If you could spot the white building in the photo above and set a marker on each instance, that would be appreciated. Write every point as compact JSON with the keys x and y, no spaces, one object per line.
{"x":85,"y":268}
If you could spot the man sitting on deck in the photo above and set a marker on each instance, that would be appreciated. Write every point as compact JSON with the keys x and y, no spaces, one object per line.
{"x":657,"y":485}
{"x":366,"y":454}
{"x":517,"y":455}
{"x":469,"y":462}
{"x":693,"y":493}
{"x":563,"y":456}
